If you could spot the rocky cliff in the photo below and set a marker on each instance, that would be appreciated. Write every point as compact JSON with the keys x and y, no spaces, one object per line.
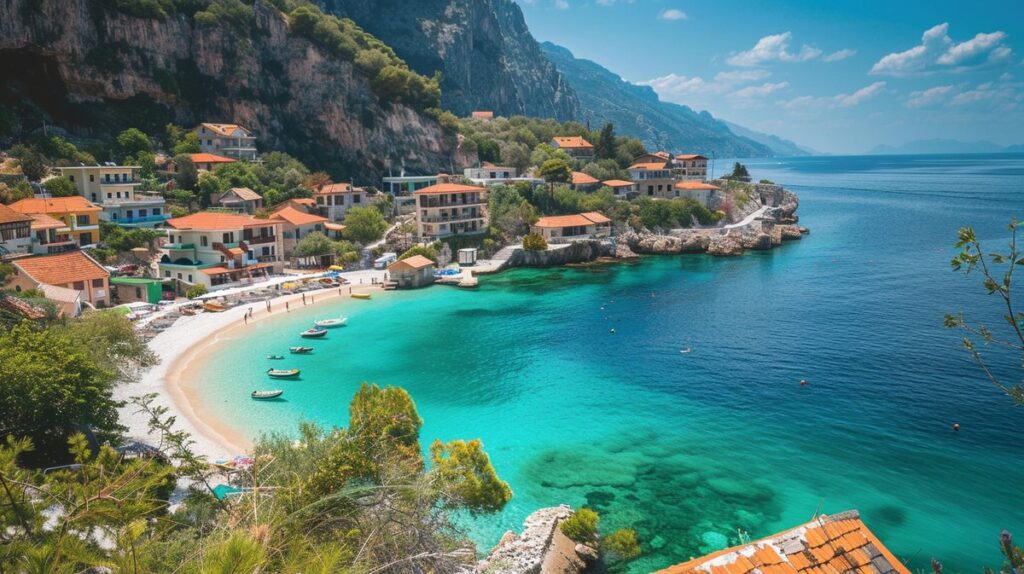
{"x":483,"y":48}
{"x":82,"y":65}
{"x":540,"y":548}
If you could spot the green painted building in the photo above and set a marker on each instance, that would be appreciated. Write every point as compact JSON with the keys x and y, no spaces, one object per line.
{"x":132,"y":289}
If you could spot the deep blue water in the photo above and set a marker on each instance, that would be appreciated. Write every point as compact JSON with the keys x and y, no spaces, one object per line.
{"x":689,"y":449}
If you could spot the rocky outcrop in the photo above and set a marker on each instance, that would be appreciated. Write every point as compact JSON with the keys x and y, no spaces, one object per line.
{"x":540,"y":548}
{"x":646,"y":243}
{"x":564,"y":254}
{"x":483,"y":49}
{"x":82,"y":65}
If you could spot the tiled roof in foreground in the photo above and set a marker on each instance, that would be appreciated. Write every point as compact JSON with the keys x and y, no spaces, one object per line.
{"x":837,"y":544}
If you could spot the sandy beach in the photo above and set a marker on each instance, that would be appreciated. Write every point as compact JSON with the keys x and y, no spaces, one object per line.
{"x":184,"y":347}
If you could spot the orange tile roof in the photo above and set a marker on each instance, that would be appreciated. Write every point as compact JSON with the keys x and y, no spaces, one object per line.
{"x":690,"y":156}
{"x":216,"y":221}
{"x":447,"y":188}
{"x":617,"y":183}
{"x":336,"y":188}
{"x":8,"y":215}
{"x":223,"y":129}
{"x":580,"y":178}
{"x":209,"y":158}
{"x":42,"y":221}
{"x":296,"y":217}
{"x":61,"y":268}
{"x":649,"y":165}
{"x":576,"y":220}
{"x":840,"y":543}
{"x":695,"y":185}
{"x":572,"y":142}
{"x":72,"y":204}
{"x":413,"y":262}
{"x":483,"y":115}
{"x":334,"y":226}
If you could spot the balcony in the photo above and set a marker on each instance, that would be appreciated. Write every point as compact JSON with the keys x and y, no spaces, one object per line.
{"x":55,"y":247}
{"x":260,"y":240}
{"x":438,"y":204}
{"x":450,"y":218}
{"x":143,"y":219}
{"x":179,"y":246}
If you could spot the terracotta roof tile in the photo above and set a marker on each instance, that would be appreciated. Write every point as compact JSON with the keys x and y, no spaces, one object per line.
{"x":580,"y":178}
{"x":243,"y":193}
{"x":72,"y":204}
{"x":61,"y":268}
{"x":414,"y":262}
{"x":224,"y":129}
{"x":650,"y":166}
{"x":485,"y":115}
{"x":8,"y":215}
{"x":617,"y":183}
{"x":448,"y":188}
{"x":577,"y":220}
{"x":690,"y":156}
{"x":572,"y":142}
{"x":695,"y":185}
{"x":296,"y":217}
{"x":210,"y":158}
{"x":216,"y":221}
{"x":840,"y":545}
{"x":42,"y":221}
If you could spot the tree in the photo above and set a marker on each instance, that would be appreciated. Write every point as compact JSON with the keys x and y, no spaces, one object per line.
{"x":621,"y":546}
{"x":32,"y":166}
{"x":739,"y":173}
{"x":556,"y":171}
{"x":60,"y":186}
{"x":197,"y":290}
{"x":189,"y":143}
{"x":131,"y":141}
{"x":364,"y":224}
{"x":534,"y":242}
{"x":209,"y":185}
{"x":581,"y":526}
{"x":511,"y":214}
{"x":187,"y":176}
{"x":972,"y":258}
{"x":605,"y":147}
{"x":467,"y":475}
{"x":424,"y":250}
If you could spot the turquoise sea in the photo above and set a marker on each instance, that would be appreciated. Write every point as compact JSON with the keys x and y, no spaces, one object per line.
{"x":690,"y":449}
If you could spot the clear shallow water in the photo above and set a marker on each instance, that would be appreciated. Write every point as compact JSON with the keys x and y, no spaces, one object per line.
{"x":689,"y":448}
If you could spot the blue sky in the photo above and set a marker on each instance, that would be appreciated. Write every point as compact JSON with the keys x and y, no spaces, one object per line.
{"x":839,"y":76}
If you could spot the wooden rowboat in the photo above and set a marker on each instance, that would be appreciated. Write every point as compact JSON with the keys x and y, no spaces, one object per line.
{"x":266,"y":395}
{"x":214,"y":307}
{"x":283,"y":373}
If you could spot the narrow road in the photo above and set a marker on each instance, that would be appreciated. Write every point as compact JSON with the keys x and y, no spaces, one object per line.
{"x":748,"y":219}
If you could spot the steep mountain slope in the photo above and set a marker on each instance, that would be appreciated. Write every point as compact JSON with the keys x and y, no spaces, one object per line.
{"x":83,"y":65}
{"x":483,"y":48}
{"x":779,"y":146}
{"x":637,"y":111}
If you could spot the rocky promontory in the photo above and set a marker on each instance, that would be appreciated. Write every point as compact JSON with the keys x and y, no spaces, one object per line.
{"x":541,"y":548}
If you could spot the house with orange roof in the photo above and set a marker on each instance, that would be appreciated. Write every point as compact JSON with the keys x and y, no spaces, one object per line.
{"x":575,"y":146}
{"x":209,"y":161}
{"x":622,"y":188}
{"x":691,"y":166}
{"x":412,"y":272}
{"x":653,"y":179}
{"x":49,"y":235}
{"x":230,"y":140}
{"x":482,"y":115}
{"x":63,"y":272}
{"x":115,"y":189}
{"x":583,"y":182}
{"x":297,"y":224}
{"x":697,"y":190}
{"x":334,"y":199}
{"x":241,"y":199}
{"x":81,"y":218}
{"x":446,"y":209}
{"x":587,"y":225}
{"x":218,"y":249}
{"x":15,"y":232}
{"x":828,"y":544}
{"x":406,"y":184}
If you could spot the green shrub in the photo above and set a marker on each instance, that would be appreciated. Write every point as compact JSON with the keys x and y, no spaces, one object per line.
{"x":60,"y":186}
{"x":534,"y":242}
{"x":621,"y":545}
{"x":767,"y":181}
{"x":581,"y":526}
{"x":194,"y":291}
{"x":426,"y":251}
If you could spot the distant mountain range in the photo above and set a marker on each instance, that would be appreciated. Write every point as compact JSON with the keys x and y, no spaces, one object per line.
{"x":637,"y":111}
{"x":944,"y":146}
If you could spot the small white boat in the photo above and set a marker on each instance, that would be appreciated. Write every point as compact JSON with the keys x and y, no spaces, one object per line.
{"x":300,"y":350}
{"x":283,"y":373}
{"x":329,"y":323}
{"x":313,"y":333}
{"x":266,"y":395}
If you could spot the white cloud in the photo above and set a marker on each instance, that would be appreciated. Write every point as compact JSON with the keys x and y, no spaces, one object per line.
{"x":674,"y":84}
{"x":562,"y":4}
{"x":775,"y":48}
{"x":839,"y":55}
{"x":759,"y":91}
{"x":928,"y":97}
{"x":1002,"y":95}
{"x":836,"y":101}
{"x":671,"y":14}
{"x":740,"y":76}
{"x":937,"y":51}
{"x":723,"y":83}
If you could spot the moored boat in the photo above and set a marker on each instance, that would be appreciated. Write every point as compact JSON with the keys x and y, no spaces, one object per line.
{"x":300,"y":350}
{"x":313,"y":333}
{"x":214,"y":307}
{"x":329,"y":323}
{"x":360,"y":295}
{"x":266,"y":395}
{"x":275,"y":357}
{"x":283,"y":373}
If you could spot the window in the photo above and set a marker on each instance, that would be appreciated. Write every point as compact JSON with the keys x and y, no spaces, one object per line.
{"x":143,"y":213}
{"x":189,"y":277}
{"x":266,"y":251}
{"x":138,"y":292}
{"x":179,"y":275}
{"x":113,"y":215}
{"x":204,"y":240}
{"x":156,"y":211}
{"x":79,"y":285}
{"x":109,"y":195}
{"x":71,"y":177}
{"x":92,"y":177}
{"x":226,"y":238}
{"x":355,"y":198}
{"x":167,"y":273}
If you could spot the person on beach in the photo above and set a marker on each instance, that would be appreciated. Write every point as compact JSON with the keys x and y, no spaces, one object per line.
{"x":286,"y":308}
{"x":303,"y":298}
